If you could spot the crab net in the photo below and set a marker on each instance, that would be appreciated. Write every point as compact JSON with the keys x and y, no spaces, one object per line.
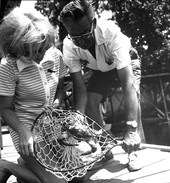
{"x":62,"y":142}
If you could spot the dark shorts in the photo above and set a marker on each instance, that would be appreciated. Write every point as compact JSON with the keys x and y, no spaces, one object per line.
{"x":102,"y":82}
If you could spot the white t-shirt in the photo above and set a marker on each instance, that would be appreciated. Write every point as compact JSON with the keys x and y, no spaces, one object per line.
{"x":112,"y":49}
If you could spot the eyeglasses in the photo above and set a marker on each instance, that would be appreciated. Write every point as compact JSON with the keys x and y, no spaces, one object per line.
{"x":81,"y":37}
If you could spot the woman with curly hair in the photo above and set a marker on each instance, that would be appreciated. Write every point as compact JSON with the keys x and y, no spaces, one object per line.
{"x":26,"y":87}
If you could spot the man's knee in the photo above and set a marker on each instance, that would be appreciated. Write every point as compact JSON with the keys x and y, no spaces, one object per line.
{"x":93,"y":100}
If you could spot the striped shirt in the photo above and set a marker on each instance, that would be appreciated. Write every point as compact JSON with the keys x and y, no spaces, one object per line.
{"x":32,"y":85}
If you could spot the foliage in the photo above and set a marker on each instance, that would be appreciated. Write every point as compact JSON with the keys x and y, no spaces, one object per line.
{"x":7,"y":5}
{"x":146,"y":22}
{"x":51,"y":9}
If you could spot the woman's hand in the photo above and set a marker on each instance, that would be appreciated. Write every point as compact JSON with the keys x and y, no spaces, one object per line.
{"x":9,"y":117}
{"x":26,"y":142}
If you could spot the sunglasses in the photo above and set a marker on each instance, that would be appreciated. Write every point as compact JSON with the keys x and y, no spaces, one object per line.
{"x":81,"y":37}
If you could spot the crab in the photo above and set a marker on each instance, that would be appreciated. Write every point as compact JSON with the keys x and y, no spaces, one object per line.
{"x":80,"y":132}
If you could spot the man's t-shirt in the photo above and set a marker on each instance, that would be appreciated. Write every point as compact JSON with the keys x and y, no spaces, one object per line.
{"x":112,"y":50}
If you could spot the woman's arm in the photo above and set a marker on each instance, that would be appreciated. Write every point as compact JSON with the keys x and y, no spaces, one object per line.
{"x":9,"y":117}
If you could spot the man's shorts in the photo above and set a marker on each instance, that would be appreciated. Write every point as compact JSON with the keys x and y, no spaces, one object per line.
{"x":102,"y":82}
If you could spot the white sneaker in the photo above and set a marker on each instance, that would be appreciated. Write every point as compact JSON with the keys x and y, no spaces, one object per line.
{"x":135,"y":162}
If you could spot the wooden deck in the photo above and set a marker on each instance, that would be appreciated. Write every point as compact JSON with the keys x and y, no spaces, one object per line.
{"x":156,"y":166}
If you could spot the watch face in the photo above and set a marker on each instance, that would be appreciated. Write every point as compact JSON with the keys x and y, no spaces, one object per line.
{"x":132,"y":123}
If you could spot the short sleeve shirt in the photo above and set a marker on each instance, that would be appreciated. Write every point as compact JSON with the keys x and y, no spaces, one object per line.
{"x":112,"y":50}
{"x":32,"y":85}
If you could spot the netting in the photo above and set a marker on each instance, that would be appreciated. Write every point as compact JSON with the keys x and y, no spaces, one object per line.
{"x":67,"y":143}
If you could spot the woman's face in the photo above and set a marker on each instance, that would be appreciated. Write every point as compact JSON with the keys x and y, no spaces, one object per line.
{"x":81,"y":33}
{"x":40,"y":54}
{"x":37,"y":57}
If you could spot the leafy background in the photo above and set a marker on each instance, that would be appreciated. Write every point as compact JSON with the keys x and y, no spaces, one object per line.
{"x":146,"y":22}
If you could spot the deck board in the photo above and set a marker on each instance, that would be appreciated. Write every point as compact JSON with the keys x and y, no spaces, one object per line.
{"x":156,"y":166}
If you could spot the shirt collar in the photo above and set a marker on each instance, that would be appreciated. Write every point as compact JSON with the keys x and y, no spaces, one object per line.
{"x":99,"y":36}
{"x":48,"y":57}
{"x":22,"y":65}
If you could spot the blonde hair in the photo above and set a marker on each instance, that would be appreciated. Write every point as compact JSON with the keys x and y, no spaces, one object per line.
{"x":25,"y":33}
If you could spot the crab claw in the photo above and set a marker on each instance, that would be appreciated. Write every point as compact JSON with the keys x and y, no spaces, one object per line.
{"x":92,"y":142}
{"x":63,"y":140}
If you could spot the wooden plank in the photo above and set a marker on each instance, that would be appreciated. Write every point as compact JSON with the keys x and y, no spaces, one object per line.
{"x":153,"y":146}
{"x":156,"y":166}
{"x":156,"y":169}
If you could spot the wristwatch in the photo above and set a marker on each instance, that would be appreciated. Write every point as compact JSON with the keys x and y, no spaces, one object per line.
{"x":134,"y":124}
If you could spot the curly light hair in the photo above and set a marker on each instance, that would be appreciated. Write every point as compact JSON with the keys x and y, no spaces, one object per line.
{"x":25,"y":33}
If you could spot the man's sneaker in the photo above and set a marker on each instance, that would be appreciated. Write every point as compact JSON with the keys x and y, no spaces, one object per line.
{"x":135,"y":162}
{"x":107,"y":159}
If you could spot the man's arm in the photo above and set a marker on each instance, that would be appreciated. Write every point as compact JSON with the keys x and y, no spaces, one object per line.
{"x":79,"y":91}
{"x":131,"y":137}
{"x":129,"y":93}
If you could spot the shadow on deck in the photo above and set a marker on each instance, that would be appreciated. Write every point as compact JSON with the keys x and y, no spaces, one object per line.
{"x":156,"y":166}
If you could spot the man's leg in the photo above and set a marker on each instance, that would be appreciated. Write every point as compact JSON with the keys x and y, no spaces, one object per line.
{"x":93,"y":108}
{"x":97,"y":88}
{"x":93,"y":111}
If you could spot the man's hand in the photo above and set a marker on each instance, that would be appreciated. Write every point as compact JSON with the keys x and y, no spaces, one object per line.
{"x":132,"y":139}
